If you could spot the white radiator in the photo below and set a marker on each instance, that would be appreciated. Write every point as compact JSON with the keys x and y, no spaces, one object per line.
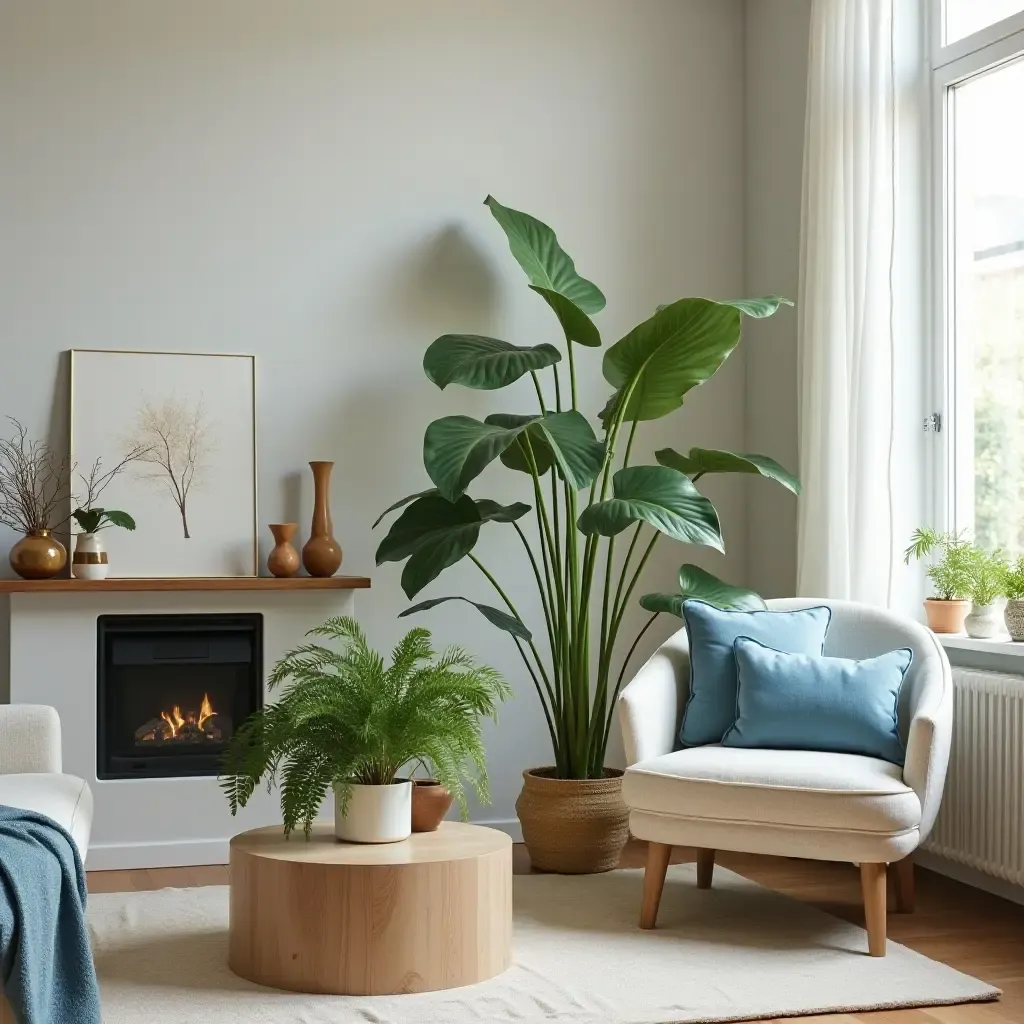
{"x":981,"y":821}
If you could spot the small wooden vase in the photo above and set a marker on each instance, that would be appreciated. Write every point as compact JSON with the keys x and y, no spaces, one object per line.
{"x":38,"y":556}
{"x":284,"y":559}
{"x":321,"y":554}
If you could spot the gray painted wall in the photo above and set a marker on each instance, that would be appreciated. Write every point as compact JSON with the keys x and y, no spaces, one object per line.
{"x":302,"y":179}
{"x":775,"y":96}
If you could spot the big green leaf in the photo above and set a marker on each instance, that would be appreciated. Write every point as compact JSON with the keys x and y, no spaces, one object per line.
{"x":762,"y":307}
{"x":697,"y":583}
{"x":576,"y":325}
{"x":456,"y":449}
{"x":712,"y":460}
{"x":679,"y":347}
{"x":576,"y":450}
{"x":509,"y":623}
{"x":662,"y":497}
{"x":546,"y":263}
{"x":483,"y":363}
{"x":514,"y":456}
{"x":434,"y":533}
{"x":402,"y":501}
{"x":118,"y":518}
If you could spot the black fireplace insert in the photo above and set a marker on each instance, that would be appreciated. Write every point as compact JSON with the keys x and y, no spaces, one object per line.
{"x":172,"y":690}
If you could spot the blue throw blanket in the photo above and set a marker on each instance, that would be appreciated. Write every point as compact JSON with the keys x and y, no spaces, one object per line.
{"x":45,"y":961}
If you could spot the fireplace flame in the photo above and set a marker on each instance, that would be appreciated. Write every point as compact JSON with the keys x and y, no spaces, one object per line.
{"x":205,"y":710}
{"x":175,"y":719}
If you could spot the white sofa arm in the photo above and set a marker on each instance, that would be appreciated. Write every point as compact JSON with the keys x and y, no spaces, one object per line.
{"x":29,"y":739}
{"x":650,"y":706}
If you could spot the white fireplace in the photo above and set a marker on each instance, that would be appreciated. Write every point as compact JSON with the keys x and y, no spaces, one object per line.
{"x":55,"y":658}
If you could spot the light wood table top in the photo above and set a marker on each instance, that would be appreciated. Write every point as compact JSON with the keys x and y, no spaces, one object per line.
{"x":452,"y":841}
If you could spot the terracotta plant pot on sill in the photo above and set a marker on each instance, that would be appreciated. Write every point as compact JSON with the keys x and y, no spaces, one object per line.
{"x":946,"y":616}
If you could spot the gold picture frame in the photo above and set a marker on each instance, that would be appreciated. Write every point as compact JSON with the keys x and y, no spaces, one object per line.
{"x":88,"y":426}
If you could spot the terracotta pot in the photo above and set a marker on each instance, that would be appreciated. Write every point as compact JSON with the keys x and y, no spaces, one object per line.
{"x":322,"y":553}
{"x":573,"y":826}
{"x":38,"y":556}
{"x":946,"y":616}
{"x":284,"y":559}
{"x":1013,"y":616}
{"x":430,"y":803}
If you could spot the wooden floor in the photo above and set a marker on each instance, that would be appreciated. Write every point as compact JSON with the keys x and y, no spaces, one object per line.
{"x":968,"y":929}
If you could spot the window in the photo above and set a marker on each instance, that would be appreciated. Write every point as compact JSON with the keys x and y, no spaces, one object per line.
{"x":965,"y":17}
{"x":979,"y":94}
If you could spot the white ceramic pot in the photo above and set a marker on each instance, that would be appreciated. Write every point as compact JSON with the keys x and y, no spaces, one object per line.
{"x":985,"y":620}
{"x":89,"y":559}
{"x":375,"y":814}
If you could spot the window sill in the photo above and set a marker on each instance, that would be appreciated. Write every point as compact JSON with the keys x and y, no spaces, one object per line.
{"x":996,"y":645}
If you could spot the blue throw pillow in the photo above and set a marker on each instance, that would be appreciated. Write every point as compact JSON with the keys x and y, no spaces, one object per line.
{"x":711,"y":707}
{"x":804,"y":702}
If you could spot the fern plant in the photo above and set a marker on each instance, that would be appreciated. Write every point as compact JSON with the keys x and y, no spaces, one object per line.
{"x":988,"y":572}
{"x":952,"y":575}
{"x":1013,"y":580}
{"x":343,"y":717}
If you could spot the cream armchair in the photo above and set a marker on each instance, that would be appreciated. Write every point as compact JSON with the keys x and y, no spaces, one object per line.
{"x":791,"y":803}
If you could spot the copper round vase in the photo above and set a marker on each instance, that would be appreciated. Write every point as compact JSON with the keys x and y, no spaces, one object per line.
{"x":284,"y":560}
{"x":38,"y":556}
{"x":573,"y":826}
{"x":321,"y":554}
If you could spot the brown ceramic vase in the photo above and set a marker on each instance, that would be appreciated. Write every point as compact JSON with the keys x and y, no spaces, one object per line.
{"x":430,"y":803}
{"x":284,"y":559}
{"x":946,"y":616}
{"x":573,"y":826}
{"x":38,"y":556}
{"x":321,"y":554}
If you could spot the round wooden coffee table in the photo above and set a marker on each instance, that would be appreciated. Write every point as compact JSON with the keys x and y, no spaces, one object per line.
{"x":432,"y":912}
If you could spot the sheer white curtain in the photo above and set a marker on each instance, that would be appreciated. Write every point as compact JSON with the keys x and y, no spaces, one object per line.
{"x":846,"y":309}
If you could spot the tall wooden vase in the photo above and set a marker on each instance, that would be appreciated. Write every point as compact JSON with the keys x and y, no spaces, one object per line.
{"x":321,"y":554}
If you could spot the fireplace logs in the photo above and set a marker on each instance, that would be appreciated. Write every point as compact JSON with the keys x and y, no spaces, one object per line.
{"x":202,"y":726}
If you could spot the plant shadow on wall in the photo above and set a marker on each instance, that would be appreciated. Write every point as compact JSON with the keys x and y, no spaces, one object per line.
{"x":586,"y":492}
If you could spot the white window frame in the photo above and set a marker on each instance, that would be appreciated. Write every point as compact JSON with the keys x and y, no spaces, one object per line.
{"x":961,"y":60}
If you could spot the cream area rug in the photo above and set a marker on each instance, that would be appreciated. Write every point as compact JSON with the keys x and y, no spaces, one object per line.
{"x":735,"y":952}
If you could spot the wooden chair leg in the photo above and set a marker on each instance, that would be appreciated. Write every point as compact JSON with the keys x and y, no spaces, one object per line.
{"x":904,"y":870}
{"x":705,"y":868}
{"x":872,"y":883}
{"x":658,"y":855}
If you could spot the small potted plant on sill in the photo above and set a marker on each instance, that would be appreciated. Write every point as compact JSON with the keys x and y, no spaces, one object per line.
{"x":345,"y":721}
{"x":987,"y":570}
{"x":950,"y":576}
{"x":1013,"y":588}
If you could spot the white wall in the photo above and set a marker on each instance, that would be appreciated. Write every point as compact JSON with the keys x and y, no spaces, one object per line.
{"x":775,"y":94}
{"x":302,"y":179}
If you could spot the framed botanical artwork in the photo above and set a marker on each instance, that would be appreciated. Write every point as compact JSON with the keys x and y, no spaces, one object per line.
{"x":186,"y":424}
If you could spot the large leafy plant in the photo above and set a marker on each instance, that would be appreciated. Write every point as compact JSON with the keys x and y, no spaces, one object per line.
{"x":586,"y":489}
{"x":344,"y":717}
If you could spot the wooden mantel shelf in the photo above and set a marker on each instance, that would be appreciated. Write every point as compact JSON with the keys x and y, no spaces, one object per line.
{"x":257,"y":583}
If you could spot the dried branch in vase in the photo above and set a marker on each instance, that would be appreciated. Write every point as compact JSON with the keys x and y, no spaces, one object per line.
{"x":35,"y":482}
{"x":88,"y":513}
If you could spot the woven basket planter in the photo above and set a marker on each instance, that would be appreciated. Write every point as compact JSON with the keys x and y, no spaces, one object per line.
{"x":570,"y":826}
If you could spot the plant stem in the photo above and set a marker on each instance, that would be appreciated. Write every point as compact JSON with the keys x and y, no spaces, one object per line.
{"x":622,"y":670}
{"x":572,"y":372}
{"x":540,"y":393}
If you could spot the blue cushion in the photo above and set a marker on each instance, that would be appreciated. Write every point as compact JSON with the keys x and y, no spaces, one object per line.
{"x":808,"y":702}
{"x":711,"y":707}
